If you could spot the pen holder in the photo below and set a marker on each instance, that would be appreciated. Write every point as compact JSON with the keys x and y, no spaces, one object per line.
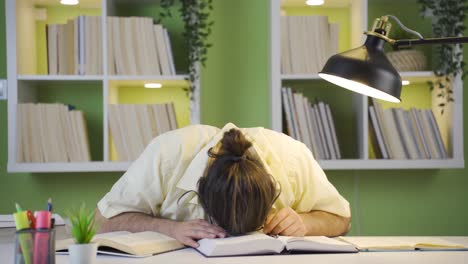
{"x":35,"y":247}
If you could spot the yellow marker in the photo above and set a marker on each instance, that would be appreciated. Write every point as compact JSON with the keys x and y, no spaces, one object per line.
{"x":24,"y":235}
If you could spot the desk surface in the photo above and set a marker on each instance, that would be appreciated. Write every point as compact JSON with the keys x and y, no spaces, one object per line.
{"x":192,"y":256}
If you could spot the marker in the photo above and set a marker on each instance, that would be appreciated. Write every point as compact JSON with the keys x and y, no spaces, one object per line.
{"x":42,"y":237}
{"x":49,"y":208}
{"x":18,"y":208}
{"x":24,"y":234}
{"x":32,"y":219}
{"x":49,"y":204}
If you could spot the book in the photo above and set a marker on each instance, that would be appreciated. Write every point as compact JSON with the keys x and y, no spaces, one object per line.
{"x":421,"y":137}
{"x":327,"y":130}
{"x":293,"y":114}
{"x":124,"y":243}
{"x":169,"y":52}
{"x":398,"y":151}
{"x":401,"y":243}
{"x":260,"y":244}
{"x":414,"y":134}
{"x":377,"y":132}
{"x":285,"y":54}
{"x":383,"y":128}
{"x":429,"y":135}
{"x":436,"y":132}
{"x":298,"y":100}
{"x":333,"y":132}
{"x":310,"y":130}
{"x":159,"y":35}
{"x":287,"y":112}
{"x":409,"y":144}
{"x":321,"y":132}
{"x":315,"y":133}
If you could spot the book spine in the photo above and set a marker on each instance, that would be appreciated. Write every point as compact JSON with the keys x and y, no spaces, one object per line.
{"x":336,"y":145}
{"x":436,"y":132}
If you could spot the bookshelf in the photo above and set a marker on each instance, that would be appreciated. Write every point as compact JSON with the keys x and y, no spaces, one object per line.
{"x":351,"y":109}
{"x":29,"y":82}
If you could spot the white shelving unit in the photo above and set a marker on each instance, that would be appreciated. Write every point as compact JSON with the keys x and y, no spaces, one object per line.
{"x":358,"y":21}
{"x":22,"y":80}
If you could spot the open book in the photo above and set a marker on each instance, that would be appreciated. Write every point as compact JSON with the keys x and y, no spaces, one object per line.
{"x":401,"y":243}
{"x":123,"y":243}
{"x":258,"y":243}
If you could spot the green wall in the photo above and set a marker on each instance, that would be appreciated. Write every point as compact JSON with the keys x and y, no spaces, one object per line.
{"x":235,"y":88}
{"x":236,"y":80}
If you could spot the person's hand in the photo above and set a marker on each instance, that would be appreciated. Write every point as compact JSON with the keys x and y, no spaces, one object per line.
{"x":285,"y":222}
{"x":189,"y":231}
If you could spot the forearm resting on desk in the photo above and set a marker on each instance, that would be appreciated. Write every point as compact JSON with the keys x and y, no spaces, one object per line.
{"x":133,"y":222}
{"x":325,"y":224}
{"x":185,"y":232}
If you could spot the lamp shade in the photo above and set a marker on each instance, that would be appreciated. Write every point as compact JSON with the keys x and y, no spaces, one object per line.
{"x":365,"y":70}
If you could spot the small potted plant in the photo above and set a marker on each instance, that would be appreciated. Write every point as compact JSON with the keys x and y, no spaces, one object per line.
{"x":83,"y":228}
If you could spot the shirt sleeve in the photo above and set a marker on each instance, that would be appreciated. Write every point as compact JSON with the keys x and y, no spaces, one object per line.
{"x":141,"y":188}
{"x":313,"y":190}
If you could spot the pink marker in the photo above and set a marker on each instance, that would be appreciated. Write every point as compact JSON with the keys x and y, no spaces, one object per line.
{"x":42,"y":236}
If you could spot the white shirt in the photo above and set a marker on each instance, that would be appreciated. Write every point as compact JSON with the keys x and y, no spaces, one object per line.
{"x":173,"y":163}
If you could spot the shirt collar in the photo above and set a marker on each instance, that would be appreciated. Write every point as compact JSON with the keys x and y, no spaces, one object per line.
{"x":197,"y":166}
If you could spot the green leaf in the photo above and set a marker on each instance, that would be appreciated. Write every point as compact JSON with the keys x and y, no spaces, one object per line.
{"x":83,"y":225}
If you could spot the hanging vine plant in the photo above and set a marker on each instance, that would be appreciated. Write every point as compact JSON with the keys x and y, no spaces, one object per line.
{"x":448,"y":18}
{"x":197,"y":28}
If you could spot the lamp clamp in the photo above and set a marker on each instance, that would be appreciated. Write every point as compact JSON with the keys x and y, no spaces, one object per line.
{"x":382,"y":26}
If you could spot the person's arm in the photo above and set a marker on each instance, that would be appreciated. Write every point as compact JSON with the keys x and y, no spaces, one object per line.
{"x":321,"y":223}
{"x":185,"y":232}
{"x":316,"y":223}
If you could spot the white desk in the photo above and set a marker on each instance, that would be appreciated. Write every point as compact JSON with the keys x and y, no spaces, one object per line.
{"x":192,"y":256}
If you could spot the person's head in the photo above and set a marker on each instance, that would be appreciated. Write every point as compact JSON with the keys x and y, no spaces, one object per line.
{"x":236,"y":190}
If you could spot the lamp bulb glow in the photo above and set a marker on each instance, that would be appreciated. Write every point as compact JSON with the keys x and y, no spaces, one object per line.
{"x":359,"y":88}
{"x":69,"y":2}
{"x":315,"y":2}
{"x":153,"y":85}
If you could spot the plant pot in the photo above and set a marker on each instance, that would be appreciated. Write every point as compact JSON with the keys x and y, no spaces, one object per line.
{"x":83,"y":253}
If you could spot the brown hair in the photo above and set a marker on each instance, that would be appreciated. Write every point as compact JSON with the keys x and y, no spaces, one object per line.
{"x":236,"y":190}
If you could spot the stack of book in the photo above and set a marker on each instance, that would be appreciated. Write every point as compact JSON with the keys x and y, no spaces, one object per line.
{"x":51,"y":133}
{"x":75,"y":47}
{"x":311,"y":124}
{"x":401,"y":134}
{"x":133,"y":126}
{"x":137,"y":47}
{"x":306,"y":43}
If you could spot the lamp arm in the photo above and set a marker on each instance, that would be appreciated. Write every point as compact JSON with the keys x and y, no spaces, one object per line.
{"x":412,"y":42}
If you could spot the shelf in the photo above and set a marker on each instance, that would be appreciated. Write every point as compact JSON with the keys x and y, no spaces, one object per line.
{"x":328,"y":3}
{"x":345,"y":164}
{"x":60,"y":77}
{"x":352,"y":16}
{"x":374,"y":164}
{"x":139,"y":80}
{"x":179,"y":77}
{"x":69,"y":167}
{"x":310,"y":76}
{"x":418,"y":76}
{"x":29,"y":82}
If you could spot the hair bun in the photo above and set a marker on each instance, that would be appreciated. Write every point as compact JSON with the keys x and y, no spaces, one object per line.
{"x":234,"y":143}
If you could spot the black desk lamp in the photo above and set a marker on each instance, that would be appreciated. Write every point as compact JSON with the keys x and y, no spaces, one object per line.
{"x":367,"y":70}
